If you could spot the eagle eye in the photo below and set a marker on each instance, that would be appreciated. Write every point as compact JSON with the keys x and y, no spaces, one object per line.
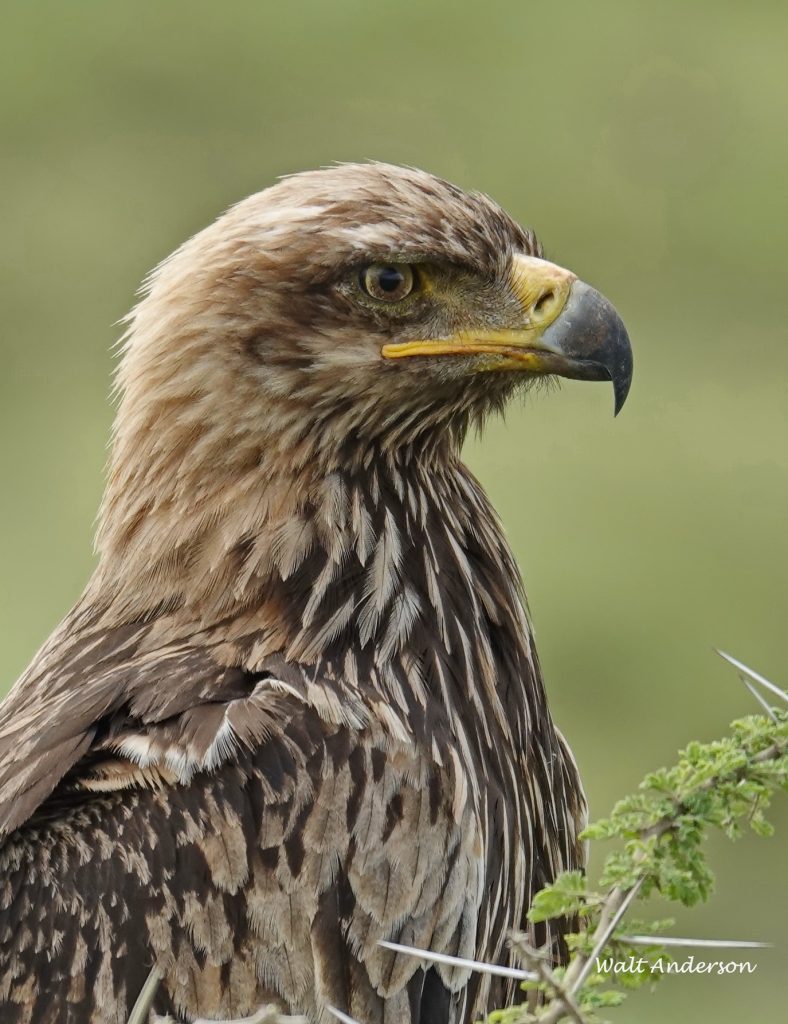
{"x":387,"y":282}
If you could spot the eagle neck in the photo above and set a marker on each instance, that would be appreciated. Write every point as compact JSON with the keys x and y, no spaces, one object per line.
{"x":401,"y":578}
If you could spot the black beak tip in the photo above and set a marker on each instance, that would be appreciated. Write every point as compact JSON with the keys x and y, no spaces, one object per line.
{"x":621,"y":366}
{"x":603,"y":339}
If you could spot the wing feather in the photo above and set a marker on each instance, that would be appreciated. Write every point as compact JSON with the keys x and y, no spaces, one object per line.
{"x":257,"y":847}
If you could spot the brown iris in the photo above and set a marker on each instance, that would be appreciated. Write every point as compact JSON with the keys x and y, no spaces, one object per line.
{"x":387,"y":282}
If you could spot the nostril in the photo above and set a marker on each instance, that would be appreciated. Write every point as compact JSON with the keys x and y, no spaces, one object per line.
{"x":544,"y":300}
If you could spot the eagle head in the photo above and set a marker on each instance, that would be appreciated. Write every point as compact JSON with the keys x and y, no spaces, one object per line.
{"x":344,"y":313}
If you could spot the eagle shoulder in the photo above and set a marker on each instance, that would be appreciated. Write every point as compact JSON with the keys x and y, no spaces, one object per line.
{"x":256,"y":848}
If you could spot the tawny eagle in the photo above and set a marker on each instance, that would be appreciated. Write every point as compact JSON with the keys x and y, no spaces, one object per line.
{"x":298,"y":709}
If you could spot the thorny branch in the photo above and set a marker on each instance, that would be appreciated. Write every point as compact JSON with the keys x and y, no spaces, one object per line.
{"x":560,"y":1002}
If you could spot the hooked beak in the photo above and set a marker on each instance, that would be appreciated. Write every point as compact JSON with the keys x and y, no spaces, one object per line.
{"x":568,"y":328}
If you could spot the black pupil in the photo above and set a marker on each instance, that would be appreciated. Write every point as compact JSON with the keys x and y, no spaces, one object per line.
{"x":389,"y":279}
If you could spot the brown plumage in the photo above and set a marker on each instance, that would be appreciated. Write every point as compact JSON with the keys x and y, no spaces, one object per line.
{"x":298,"y":709}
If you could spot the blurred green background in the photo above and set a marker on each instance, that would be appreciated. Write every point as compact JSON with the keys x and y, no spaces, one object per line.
{"x":645,"y":142}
